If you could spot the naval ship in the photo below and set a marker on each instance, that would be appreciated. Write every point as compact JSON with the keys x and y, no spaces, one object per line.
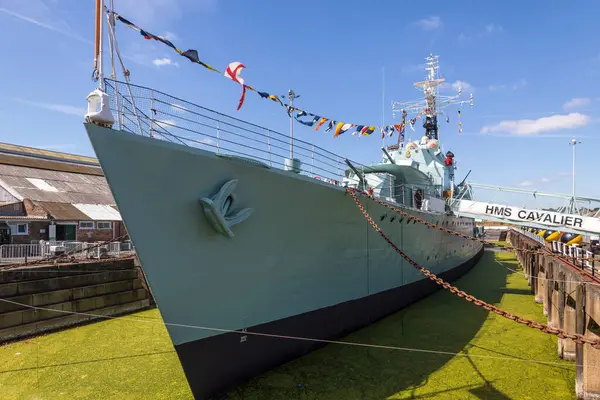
{"x":237,"y":238}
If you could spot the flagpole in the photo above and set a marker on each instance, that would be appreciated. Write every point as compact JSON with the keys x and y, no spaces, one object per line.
{"x":383,"y":104}
{"x":99,"y":42}
{"x":291,"y":97}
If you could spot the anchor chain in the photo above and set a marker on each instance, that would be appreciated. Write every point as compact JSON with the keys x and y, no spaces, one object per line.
{"x":462,"y":235}
{"x":576,"y":337}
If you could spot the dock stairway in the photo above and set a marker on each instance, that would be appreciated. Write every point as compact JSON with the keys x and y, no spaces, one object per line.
{"x":106,"y":288}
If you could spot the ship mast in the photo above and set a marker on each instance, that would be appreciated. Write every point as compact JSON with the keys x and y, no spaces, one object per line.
{"x":98,"y":42}
{"x":432,"y":104}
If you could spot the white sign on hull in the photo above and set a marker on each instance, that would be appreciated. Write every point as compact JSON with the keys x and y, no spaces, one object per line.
{"x":522,"y":216}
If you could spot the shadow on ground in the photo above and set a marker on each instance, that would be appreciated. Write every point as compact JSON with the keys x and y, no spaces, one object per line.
{"x":440,"y":322}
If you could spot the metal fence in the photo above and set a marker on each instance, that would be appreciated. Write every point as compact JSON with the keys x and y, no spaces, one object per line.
{"x":17,"y":253}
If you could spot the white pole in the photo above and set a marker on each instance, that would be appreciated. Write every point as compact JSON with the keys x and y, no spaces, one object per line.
{"x":100,"y":58}
{"x":382,"y":104}
{"x":574,"y":142}
{"x":291,"y":126}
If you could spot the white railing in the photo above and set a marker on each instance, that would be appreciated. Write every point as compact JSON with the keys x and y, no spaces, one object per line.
{"x":533,"y":236}
{"x":21,"y":252}
{"x":17,"y":253}
{"x":581,"y":258}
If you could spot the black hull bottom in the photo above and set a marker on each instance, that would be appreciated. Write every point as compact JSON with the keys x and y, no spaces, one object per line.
{"x":219,"y":363}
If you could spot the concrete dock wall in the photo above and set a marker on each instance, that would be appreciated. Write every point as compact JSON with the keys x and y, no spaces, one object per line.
{"x":40,"y":299}
{"x":570,"y":298}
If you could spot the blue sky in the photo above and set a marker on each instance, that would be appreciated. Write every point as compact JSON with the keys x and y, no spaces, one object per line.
{"x":533,"y":68}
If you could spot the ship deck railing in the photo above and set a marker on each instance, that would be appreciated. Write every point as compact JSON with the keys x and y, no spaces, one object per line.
{"x":149,"y":112}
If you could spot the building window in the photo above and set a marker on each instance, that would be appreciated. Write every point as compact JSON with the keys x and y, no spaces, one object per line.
{"x":86,"y":224}
{"x":104,"y":225}
{"x":19,"y":229}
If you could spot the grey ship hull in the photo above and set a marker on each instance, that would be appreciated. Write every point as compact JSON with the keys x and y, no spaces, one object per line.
{"x":305,"y":263}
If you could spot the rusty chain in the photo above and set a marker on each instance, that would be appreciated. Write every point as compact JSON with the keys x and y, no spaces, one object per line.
{"x":576,"y":337}
{"x":462,"y":235}
{"x":58,"y":257}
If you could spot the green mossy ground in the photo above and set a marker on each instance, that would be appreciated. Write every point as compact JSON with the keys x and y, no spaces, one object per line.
{"x":119,"y":359}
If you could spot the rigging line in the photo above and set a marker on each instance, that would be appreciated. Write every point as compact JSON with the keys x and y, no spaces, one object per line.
{"x":111,"y":31}
{"x":299,"y":338}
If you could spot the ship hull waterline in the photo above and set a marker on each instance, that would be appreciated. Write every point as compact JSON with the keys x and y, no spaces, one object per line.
{"x":305,"y":263}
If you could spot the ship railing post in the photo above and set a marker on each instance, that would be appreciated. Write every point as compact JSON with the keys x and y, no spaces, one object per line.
{"x":152,"y":113}
{"x":312,"y":165}
{"x":269,"y":146}
{"x":218,"y":135}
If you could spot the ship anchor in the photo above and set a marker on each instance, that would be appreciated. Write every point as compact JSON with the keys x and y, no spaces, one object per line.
{"x":217,"y":209}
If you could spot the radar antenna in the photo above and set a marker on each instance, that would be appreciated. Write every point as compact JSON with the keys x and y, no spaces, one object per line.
{"x":432,"y":104}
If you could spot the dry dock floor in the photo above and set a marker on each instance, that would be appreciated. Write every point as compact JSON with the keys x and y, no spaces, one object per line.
{"x":124,"y":359}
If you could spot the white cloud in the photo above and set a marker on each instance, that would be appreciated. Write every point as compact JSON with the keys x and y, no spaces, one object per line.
{"x":527,"y":183}
{"x":207,"y":141}
{"x":170,"y":36}
{"x":178,"y":107}
{"x":61,"y":108}
{"x":495,"y":88}
{"x":502,"y":86}
{"x":577,"y":102}
{"x":159,"y":62}
{"x":535,"y":182}
{"x":34,"y":7}
{"x":522,"y":83}
{"x":491,"y":28}
{"x":430,"y":23}
{"x":164,"y":124}
{"x":540,"y":125}
{"x":464,"y":85}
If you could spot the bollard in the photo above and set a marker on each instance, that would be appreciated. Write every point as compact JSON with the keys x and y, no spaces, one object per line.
{"x":591,"y":356}
{"x":560,"y":312}
{"x":556,"y":295}
{"x":580,"y":320}
{"x":541,"y":277}
{"x":548,"y":294}
{"x":535,"y":270}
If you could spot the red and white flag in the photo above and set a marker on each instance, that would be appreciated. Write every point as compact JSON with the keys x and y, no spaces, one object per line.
{"x":234,"y":72}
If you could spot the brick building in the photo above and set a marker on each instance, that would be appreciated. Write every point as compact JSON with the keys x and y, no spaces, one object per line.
{"x":47,"y":195}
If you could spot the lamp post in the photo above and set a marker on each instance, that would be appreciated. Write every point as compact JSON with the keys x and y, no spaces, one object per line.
{"x":573,"y":143}
{"x":291,"y":96}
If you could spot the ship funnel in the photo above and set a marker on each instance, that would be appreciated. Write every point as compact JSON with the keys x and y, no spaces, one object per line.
{"x":98,"y":111}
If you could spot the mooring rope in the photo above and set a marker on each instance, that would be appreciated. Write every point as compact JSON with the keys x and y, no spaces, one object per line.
{"x":276,"y":336}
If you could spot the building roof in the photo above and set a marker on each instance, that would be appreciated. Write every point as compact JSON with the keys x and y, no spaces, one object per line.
{"x":66,"y":186}
{"x":54,"y":186}
{"x":14,"y":149}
